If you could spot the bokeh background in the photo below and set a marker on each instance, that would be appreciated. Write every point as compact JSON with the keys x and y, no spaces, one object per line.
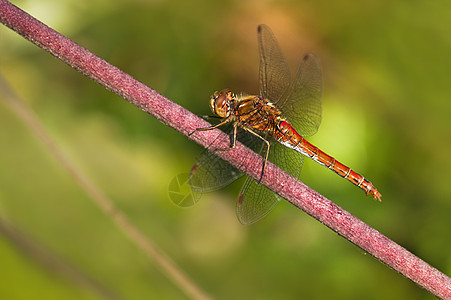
{"x":386,"y":113}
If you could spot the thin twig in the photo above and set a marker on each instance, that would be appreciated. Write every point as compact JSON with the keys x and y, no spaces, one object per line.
{"x":99,"y":198}
{"x":50,"y":261}
{"x":182,"y":120}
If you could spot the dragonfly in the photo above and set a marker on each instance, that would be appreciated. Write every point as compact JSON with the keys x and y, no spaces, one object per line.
{"x":274,"y":123}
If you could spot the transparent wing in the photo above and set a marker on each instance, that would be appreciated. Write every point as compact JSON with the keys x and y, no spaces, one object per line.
{"x":274,"y":73}
{"x":300,"y":103}
{"x":302,"y":107}
{"x":211,"y":172}
{"x":256,"y":200}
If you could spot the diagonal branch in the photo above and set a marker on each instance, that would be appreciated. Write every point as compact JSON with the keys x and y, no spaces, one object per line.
{"x":185,"y":122}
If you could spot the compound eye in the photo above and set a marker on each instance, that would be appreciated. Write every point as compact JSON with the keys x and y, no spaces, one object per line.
{"x":222,"y":106}
{"x":220,"y":103}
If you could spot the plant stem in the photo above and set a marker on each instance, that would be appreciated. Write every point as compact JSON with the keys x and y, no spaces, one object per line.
{"x":185,"y":122}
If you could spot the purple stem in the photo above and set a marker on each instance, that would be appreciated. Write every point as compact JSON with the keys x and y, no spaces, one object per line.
{"x":184,"y":121}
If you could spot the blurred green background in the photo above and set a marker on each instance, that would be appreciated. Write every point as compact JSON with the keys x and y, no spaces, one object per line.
{"x":386,"y":113}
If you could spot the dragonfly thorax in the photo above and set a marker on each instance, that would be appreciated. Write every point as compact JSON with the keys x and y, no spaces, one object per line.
{"x":221,"y":103}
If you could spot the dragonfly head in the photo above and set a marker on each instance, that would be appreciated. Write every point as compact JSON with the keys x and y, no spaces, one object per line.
{"x":220,"y":103}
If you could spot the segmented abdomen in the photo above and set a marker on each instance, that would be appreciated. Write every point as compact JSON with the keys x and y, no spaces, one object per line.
{"x":287,"y":136}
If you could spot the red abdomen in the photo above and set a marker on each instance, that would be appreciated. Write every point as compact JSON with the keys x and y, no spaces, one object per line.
{"x":287,"y":136}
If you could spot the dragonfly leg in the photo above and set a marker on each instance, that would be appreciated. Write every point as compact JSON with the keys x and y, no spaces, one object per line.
{"x":267,"y":151}
{"x":235,"y":127}
{"x":212,"y":126}
{"x":209,"y":117}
